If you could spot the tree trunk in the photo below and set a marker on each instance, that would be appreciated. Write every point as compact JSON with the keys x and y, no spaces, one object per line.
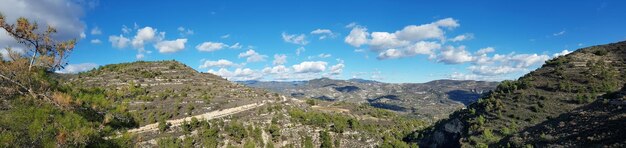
{"x":32,"y":60}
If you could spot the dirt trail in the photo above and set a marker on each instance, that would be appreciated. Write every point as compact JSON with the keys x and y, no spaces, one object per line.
{"x":205,"y":116}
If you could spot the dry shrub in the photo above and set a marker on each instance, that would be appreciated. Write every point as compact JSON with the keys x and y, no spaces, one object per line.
{"x":62,"y":99}
{"x":61,"y":138}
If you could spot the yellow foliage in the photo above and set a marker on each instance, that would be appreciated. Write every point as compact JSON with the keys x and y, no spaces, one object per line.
{"x":62,"y":99}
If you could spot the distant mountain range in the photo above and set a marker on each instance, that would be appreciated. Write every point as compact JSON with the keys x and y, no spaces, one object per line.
{"x":431,"y":100}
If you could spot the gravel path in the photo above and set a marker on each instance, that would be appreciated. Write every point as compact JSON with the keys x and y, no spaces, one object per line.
{"x":205,"y":116}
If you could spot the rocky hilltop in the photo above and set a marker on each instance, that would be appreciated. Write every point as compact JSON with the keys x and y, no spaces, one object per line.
{"x":170,"y":88}
{"x":571,"y":101}
{"x":432,"y":100}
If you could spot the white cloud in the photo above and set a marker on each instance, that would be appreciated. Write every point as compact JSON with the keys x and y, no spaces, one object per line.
{"x":410,"y":41}
{"x":222,"y":63}
{"x":351,"y":25}
{"x":145,"y":35}
{"x":390,"y":54}
{"x":324,"y":55}
{"x":562,"y":53}
{"x":171,"y":46}
{"x":454,"y":55}
{"x":493,"y":70}
{"x":295,"y":39}
{"x":482,"y":59}
{"x":96,"y":31}
{"x":223,"y":72}
{"x":76,"y":68}
{"x":279,"y":59}
{"x":527,"y":60}
{"x":486,"y":50}
{"x":310,"y":67}
{"x":324,"y":33}
{"x":384,"y":40}
{"x":280,"y":69}
{"x":463,"y":76}
{"x":235,"y":46}
{"x":448,"y":22}
{"x":337,"y":69}
{"x":422,"y":47}
{"x":140,"y":56}
{"x":126,"y":30}
{"x":64,"y":15}
{"x":300,"y":50}
{"x":462,"y":37}
{"x":210,"y":46}
{"x":252,"y":56}
{"x":119,"y":41}
{"x":559,"y":33}
{"x":321,"y":31}
{"x":135,"y":26}
{"x":485,"y":67}
{"x":422,"y":32}
{"x":184,"y":31}
{"x":426,"y":31}
{"x":240,"y":74}
{"x":358,"y":36}
{"x":95,"y":41}
{"x":225,"y":36}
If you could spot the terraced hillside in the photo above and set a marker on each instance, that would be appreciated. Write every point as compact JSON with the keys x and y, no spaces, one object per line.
{"x":432,"y":100}
{"x":169,"y":89}
{"x":174,"y":105}
{"x":568,"y":91}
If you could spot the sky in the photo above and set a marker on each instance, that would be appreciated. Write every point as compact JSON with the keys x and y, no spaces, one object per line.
{"x":390,"y":41}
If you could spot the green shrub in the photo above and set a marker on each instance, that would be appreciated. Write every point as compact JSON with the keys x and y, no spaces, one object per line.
{"x":249,"y":144}
{"x":326,"y":140}
{"x":488,"y":136}
{"x":600,"y":52}
{"x":169,"y":142}
{"x":480,"y":120}
{"x":237,"y":131}
{"x":275,"y":132}
{"x":307,"y":142}
{"x":311,"y":102}
{"x":163,"y":125}
{"x":209,"y":136}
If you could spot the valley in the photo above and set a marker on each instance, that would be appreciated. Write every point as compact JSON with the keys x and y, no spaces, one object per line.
{"x":429,"y":101}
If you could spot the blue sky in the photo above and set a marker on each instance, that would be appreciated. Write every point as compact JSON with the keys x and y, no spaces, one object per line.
{"x":389,"y":41}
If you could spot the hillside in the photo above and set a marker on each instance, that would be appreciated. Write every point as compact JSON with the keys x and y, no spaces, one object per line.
{"x":169,"y":89}
{"x":600,"y":123}
{"x":431,"y":101}
{"x":568,"y":91}
{"x":173,"y":104}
